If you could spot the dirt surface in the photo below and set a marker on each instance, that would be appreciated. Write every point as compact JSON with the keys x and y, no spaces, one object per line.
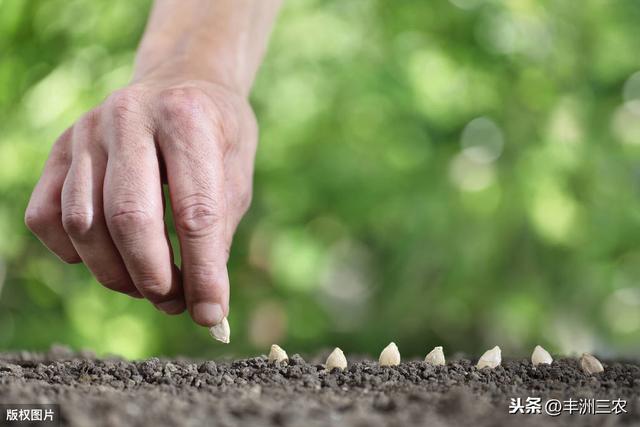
{"x":249,"y":392}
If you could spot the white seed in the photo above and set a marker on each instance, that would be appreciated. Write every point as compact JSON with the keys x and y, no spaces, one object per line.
{"x":490,"y":358}
{"x":435,"y":357}
{"x":590,"y":364}
{"x":336,"y":360}
{"x":221,"y":331}
{"x":390,"y":356}
{"x":540,"y":356}
{"x":277,"y":354}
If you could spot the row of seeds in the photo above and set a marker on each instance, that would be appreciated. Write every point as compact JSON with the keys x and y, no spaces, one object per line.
{"x":390,"y":356}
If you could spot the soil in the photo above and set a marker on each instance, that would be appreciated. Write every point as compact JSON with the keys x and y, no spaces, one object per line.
{"x":250,"y":392}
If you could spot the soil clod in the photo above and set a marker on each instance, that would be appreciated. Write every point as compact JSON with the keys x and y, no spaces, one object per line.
{"x":249,"y":392}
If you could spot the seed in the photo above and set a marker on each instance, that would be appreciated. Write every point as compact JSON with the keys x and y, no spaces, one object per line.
{"x":435,"y":357}
{"x":590,"y":364}
{"x":490,"y":358}
{"x":277,"y":354}
{"x":540,"y":356}
{"x":390,"y":356}
{"x":221,"y":331}
{"x":336,"y":360}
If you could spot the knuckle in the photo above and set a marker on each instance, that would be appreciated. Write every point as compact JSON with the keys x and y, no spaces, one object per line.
{"x":77,"y":223}
{"x":127,"y":217}
{"x":198,"y":215}
{"x":228,"y":119}
{"x":205,"y":281}
{"x":183,"y":107}
{"x":38,"y":219}
{"x":152,"y":286}
{"x":64,"y":138}
{"x":88,"y":122}
{"x":61,"y":150}
{"x":124,"y":106}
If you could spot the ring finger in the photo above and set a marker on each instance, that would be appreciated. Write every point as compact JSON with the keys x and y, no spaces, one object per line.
{"x":82,"y":212}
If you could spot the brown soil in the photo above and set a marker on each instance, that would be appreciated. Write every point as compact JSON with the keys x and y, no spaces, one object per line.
{"x":248,"y":392}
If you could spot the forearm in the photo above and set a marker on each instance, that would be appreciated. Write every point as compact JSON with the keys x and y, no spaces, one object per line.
{"x":215,"y":40}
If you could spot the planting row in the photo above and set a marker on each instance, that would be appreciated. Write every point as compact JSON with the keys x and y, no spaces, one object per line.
{"x":390,"y":356}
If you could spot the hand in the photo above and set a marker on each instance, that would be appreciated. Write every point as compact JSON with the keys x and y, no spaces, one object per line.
{"x":100,"y":200}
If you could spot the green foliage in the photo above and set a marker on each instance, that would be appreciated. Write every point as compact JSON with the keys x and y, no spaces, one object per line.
{"x":461,"y":173}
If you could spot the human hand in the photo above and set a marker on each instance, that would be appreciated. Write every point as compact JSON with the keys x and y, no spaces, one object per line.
{"x":100,"y":200}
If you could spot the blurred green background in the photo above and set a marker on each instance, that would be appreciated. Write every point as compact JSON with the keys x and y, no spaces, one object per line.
{"x":454,"y":172}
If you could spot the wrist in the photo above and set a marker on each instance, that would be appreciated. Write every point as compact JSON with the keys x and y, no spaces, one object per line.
{"x":160,"y":64}
{"x":220,"y":41}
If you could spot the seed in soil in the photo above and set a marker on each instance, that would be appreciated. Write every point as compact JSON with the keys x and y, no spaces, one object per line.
{"x":221,"y":331}
{"x":435,"y":357}
{"x":249,"y":392}
{"x":540,"y":356}
{"x":590,"y":364}
{"x":277,"y":354}
{"x":490,"y":358}
{"x":336,"y":360}
{"x":390,"y":356}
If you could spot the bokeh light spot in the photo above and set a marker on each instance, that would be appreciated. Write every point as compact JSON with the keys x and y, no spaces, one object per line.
{"x":296,"y":260}
{"x":631,"y":91}
{"x":467,"y":4}
{"x":55,"y":94}
{"x":469,"y":175}
{"x":626,"y":123}
{"x":553,"y":213}
{"x":267,"y":324}
{"x":127,"y":335}
{"x":482,"y":140}
{"x":622,"y":310}
{"x":346,"y":284}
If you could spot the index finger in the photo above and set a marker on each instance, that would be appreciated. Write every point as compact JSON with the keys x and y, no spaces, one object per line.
{"x":194,"y":166}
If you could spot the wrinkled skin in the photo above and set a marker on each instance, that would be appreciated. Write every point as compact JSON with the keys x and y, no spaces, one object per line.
{"x":100,"y":200}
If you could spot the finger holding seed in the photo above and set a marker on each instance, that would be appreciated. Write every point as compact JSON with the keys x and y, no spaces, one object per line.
{"x":390,"y":356}
{"x":336,"y":360}
{"x":490,"y":359}
{"x":435,"y":357}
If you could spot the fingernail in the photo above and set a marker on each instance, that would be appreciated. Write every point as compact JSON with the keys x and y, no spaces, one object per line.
{"x":207,"y":313}
{"x":173,"y":306}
